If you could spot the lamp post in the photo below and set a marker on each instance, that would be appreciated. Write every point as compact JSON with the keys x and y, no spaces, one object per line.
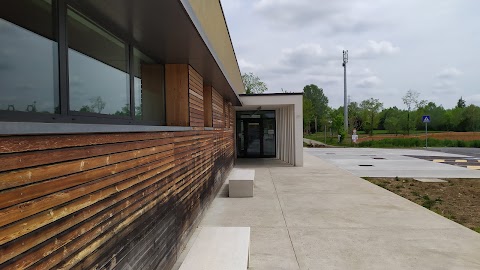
{"x":330,"y":125}
{"x":345,"y":105}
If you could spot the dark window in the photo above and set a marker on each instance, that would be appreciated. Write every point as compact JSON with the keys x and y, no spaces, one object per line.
{"x":55,"y":59}
{"x":28,"y":57}
{"x":98,"y":74}
{"x":256,"y":134}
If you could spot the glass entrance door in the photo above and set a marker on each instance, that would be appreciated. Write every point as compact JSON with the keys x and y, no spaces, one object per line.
{"x":253,"y":138}
{"x":256,"y":134}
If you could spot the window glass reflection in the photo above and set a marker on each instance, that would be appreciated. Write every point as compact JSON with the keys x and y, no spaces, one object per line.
{"x":98,"y":77}
{"x":28,"y":57}
{"x":149,"y":79}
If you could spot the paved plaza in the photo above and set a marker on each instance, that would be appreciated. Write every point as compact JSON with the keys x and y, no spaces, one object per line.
{"x":373,"y":162}
{"x":323,"y":217}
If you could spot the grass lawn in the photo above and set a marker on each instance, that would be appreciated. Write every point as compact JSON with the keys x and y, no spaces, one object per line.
{"x":458,"y":199}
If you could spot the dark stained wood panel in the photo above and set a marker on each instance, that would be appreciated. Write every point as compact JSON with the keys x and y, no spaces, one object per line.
{"x":114,"y":200}
{"x":207,"y":105}
{"x":217,"y":110}
{"x":196,"y":110}
{"x":176,"y":94}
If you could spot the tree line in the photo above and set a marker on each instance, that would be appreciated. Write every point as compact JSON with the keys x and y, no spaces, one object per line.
{"x":370,"y":114}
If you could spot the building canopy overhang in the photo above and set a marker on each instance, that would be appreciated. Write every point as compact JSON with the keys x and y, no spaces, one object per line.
{"x":171,"y":32}
{"x":289,"y":121}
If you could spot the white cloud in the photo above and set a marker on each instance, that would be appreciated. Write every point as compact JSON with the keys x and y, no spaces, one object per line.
{"x":444,"y":85}
{"x":382,"y":47}
{"x":473,"y":99}
{"x":291,"y":43}
{"x":449,"y":73}
{"x":246,"y":66}
{"x":375,"y":49}
{"x":368,"y":82}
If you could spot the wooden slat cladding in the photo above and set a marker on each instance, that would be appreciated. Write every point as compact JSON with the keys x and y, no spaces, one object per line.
{"x":228,"y":114}
{"x":218,"y":109}
{"x":232,"y":116}
{"x":207,"y":106}
{"x":114,"y":200}
{"x":176,"y":94}
{"x":195,"y":92}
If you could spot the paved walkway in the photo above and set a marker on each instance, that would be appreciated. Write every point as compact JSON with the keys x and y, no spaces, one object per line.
{"x":322,"y":217}
{"x":394,"y":162}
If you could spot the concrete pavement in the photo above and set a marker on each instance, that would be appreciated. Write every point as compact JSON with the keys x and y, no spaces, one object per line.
{"x":322,"y":217}
{"x":374,"y":162}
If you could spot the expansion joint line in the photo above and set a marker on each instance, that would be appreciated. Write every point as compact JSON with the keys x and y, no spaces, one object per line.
{"x":284,"y":220}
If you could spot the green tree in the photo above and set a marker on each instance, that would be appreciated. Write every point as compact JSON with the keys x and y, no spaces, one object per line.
{"x":461,"y":103}
{"x":308,"y":114}
{"x":97,"y":104}
{"x":437,"y":115}
{"x":370,"y":109}
{"x":354,"y":116}
{"x":393,"y":125}
{"x":411,"y":101}
{"x":471,"y":116}
{"x":253,"y":84}
{"x":85,"y":108}
{"x":125,"y":111}
{"x":319,"y":102}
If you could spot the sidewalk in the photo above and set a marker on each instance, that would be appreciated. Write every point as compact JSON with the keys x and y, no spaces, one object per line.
{"x":322,"y":217}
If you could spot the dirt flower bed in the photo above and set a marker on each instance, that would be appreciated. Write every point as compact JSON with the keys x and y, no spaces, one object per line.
{"x":458,"y":200}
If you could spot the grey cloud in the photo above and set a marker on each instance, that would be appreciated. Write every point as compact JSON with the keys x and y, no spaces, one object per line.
{"x":305,"y":55}
{"x":447,"y":81}
{"x":5,"y":65}
{"x":329,"y":17}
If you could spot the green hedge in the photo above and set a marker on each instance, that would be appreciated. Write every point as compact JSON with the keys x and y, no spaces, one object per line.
{"x":415,"y":142}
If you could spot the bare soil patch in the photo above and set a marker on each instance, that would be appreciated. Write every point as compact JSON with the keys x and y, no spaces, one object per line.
{"x":458,"y":199}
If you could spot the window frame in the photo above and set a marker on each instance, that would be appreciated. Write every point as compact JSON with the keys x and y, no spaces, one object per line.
{"x":65,"y":115}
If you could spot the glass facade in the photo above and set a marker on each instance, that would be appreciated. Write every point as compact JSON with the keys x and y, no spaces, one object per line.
{"x":56,"y":60}
{"x":149,"y":88}
{"x":98,"y":68}
{"x":256,"y":134}
{"x":28,"y":57}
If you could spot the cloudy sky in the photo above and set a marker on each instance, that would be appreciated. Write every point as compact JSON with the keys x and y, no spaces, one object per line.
{"x":430,"y":46}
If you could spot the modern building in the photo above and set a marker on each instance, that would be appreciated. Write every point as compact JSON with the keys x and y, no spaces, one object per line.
{"x":118,"y":125}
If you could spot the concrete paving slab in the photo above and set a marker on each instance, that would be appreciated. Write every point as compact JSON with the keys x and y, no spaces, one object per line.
{"x":430,"y":180}
{"x":315,"y":185}
{"x":385,"y":248}
{"x":396,"y":162}
{"x":271,"y":248}
{"x":357,"y":211}
{"x":263,"y":210}
{"x":323,"y":217}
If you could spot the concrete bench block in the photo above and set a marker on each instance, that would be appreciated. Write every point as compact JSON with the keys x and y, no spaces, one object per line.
{"x":240,"y":183}
{"x":219,"y":248}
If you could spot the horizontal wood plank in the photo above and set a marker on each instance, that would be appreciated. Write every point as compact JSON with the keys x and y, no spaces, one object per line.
{"x":105,"y":194}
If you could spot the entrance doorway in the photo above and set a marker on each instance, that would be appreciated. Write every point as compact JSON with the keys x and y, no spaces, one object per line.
{"x":256,"y":134}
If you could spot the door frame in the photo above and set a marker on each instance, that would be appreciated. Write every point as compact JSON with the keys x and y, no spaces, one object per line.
{"x":246,"y":121}
{"x":243,"y":153}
